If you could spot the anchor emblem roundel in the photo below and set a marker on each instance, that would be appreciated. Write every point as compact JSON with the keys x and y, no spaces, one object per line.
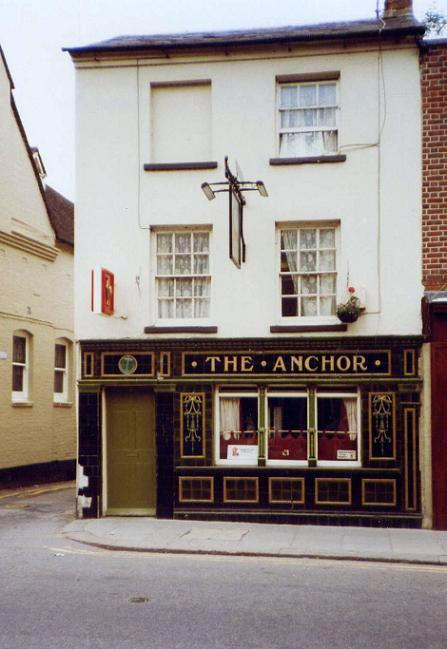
{"x":127,"y":364}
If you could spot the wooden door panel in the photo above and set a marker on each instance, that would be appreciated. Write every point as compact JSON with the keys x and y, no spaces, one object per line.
{"x":131,"y":461}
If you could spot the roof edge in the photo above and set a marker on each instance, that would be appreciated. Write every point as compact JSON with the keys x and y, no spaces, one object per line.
{"x":261,"y":36}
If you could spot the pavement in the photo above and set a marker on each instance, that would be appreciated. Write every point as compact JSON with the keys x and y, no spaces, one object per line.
{"x":258,"y":539}
{"x":137,"y":534}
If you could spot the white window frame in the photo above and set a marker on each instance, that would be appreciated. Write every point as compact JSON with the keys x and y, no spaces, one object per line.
{"x":290,"y":393}
{"x":235,"y":394}
{"x":305,"y":225}
{"x":340,"y":395}
{"x":22,"y":395}
{"x":308,"y":129}
{"x":192,"y":321}
{"x":61,"y":397}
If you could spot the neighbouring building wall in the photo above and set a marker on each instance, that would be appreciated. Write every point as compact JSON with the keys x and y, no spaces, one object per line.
{"x":36,"y":298}
{"x":434,"y":162}
{"x":37,"y":425}
{"x":434,"y":239}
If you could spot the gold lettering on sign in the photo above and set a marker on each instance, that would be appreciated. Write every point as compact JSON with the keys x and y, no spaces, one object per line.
{"x":343,"y":363}
{"x":279,"y":364}
{"x":325,"y":360}
{"x":359,"y":362}
{"x":307,"y":364}
{"x":296,"y":361}
{"x":228,"y":360}
{"x":246,"y":364}
{"x":212,"y":360}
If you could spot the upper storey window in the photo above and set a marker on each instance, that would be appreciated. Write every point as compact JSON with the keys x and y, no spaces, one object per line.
{"x":183,"y":279}
{"x":181,"y":122}
{"x":20,"y":366}
{"x":308,"y":119}
{"x":308,"y":271}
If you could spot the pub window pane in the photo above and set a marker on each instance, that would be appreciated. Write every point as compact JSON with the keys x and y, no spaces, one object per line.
{"x":238,"y":428}
{"x":287,"y":428}
{"x":337,"y":424}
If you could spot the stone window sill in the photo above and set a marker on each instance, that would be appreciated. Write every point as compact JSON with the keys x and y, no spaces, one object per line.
{"x":180,"y":330}
{"x":62,"y":404}
{"x":180,"y":166}
{"x":319,"y":159}
{"x":286,"y":329}
{"x":22,"y":404}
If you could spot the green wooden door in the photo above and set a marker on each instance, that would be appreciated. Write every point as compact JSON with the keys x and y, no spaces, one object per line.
{"x":131,"y":462}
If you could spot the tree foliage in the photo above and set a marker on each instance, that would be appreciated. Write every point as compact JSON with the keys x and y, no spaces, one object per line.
{"x":435,"y":22}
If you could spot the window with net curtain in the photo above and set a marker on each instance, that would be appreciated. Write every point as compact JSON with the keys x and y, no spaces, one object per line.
{"x":308,"y":119}
{"x":334,"y":416}
{"x":238,"y":425}
{"x":183,"y":280}
{"x":308,"y":274}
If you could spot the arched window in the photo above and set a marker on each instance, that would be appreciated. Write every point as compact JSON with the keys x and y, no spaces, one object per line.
{"x":61,"y":370}
{"x":20,"y":365}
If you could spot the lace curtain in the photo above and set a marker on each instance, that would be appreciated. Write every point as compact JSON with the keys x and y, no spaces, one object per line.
{"x":312,"y":143}
{"x":351,"y":414}
{"x":289,"y":242}
{"x":229,"y":415}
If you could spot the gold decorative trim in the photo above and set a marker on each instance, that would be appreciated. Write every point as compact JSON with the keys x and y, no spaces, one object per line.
{"x":195,"y":403}
{"x":164,"y":367}
{"x":131,"y":353}
{"x":409,"y":362}
{"x":287,"y":375}
{"x":333,"y":502}
{"x":88,"y":357}
{"x":297,"y":502}
{"x":389,"y":458}
{"x":227,"y":480}
{"x":370,"y":503}
{"x":410,"y":472}
{"x":182,"y":499}
{"x":19,"y":241}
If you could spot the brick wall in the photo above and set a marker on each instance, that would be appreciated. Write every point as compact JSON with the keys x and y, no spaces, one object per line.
{"x":434,"y":150}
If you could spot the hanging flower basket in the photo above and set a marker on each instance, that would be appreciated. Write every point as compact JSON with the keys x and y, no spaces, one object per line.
{"x":350,"y":310}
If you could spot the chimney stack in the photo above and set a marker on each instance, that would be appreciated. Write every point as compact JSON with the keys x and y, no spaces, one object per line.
{"x":398,"y":8}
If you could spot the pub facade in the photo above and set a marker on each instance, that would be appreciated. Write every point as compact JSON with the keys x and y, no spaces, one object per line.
{"x":257,"y":356}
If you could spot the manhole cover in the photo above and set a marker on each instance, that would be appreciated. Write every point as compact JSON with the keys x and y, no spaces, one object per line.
{"x":138,"y":600}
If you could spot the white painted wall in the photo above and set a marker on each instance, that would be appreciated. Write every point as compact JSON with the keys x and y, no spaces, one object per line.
{"x":375,"y":194}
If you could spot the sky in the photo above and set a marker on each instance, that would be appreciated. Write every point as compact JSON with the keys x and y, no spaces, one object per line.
{"x":33,"y":32}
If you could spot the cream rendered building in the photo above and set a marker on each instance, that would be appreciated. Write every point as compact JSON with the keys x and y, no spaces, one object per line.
{"x":37,"y":423}
{"x":219,"y":385}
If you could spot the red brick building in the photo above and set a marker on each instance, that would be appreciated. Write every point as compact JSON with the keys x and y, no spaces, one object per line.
{"x":434,"y":237}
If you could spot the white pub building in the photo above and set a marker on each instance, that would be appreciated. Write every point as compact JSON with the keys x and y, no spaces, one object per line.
{"x":255,"y":356}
